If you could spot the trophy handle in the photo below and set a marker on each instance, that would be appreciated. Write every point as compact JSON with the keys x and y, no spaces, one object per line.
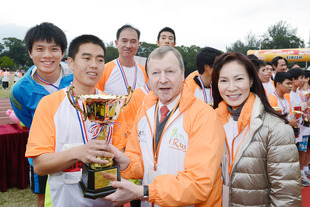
{"x":128,"y":97}
{"x":74,"y":104}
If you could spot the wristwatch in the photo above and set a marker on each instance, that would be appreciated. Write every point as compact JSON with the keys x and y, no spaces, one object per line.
{"x":145,"y":193}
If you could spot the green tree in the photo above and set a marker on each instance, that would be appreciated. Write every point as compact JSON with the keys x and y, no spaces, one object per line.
{"x":281,"y":35}
{"x":145,"y":49}
{"x":189,"y":57}
{"x":251,"y":43}
{"x":16,"y":50}
{"x":6,"y":62}
{"x":1,"y":48}
{"x":112,"y":52}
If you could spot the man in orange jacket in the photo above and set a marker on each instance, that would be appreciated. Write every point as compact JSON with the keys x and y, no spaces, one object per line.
{"x":177,"y":154}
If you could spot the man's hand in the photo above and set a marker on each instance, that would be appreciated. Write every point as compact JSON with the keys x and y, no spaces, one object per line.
{"x":120,"y":157}
{"x":89,"y":152}
{"x":126,"y":192}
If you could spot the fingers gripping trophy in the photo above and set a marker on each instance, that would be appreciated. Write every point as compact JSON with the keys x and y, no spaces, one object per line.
{"x":103,"y":109}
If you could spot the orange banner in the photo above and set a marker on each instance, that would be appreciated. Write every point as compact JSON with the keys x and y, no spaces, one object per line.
{"x":291,"y":55}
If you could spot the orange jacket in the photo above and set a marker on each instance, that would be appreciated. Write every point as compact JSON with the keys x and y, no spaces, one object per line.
{"x":112,"y":81}
{"x":189,"y":175}
{"x":130,"y":111}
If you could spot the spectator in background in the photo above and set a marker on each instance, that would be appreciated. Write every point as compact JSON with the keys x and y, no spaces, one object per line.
{"x":166,"y":37}
{"x":293,"y":65}
{"x":1,"y":76}
{"x":201,"y":84}
{"x":260,"y":160}
{"x":124,"y":71}
{"x":46,"y":45}
{"x":17,"y":75}
{"x":6,"y":78}
{"x":298,"y":104}
{"x":303,"y":144}
{"x":269,"y":86}
{"x":279,"y":64}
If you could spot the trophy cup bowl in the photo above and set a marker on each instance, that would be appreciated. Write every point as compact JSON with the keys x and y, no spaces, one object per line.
{"x":297,"y":114}
{"x":102,"y":109}
{"x":278,"y":109}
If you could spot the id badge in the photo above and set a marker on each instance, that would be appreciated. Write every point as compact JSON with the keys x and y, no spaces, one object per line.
{"x":152,"y":175}
{"x":225,"y":202}
{"x":72,"y":177}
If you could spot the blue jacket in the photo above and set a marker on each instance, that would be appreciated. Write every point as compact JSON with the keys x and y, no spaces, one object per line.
{"x":26,"y":94}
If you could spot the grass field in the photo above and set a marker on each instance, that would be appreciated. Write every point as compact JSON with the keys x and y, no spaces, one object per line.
{"x":18,"y":198}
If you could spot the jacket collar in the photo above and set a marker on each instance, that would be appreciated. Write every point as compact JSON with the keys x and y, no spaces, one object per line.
{"x":185,"y":101}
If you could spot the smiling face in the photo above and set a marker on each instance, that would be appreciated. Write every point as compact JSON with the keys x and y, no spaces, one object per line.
{"x":87,"y":67}
{"x":234,"y":84}
{"x":127,"y":43}
{"x":165,"y":77}
{"x":46,"y":56}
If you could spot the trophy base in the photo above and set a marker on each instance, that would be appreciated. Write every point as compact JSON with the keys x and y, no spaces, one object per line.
{"x":94,"y":185}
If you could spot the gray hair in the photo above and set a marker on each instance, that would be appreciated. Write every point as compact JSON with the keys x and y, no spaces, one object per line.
{"x":160,"y":52}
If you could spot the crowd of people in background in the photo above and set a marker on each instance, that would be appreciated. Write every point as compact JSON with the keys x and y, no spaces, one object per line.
{"x":5,"y":77}
{"x":232,"y":133}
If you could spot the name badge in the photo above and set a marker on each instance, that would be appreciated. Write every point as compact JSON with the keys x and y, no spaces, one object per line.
{"x":72,"y":177}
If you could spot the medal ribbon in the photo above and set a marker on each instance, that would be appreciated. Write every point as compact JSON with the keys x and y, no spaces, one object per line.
{"x":283,"y":106}
{"x":45,"y":81}
{"x":81,"y":122}
{"x":147,"y":88}
{"x":124,"y":76}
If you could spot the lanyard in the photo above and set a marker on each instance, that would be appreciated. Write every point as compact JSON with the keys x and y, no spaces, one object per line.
{"x":283,"y":106}
{"x":156,"y":151}
{"x":124,"y":76}
{"x":45,"y":81}
{"x":233,"y":155}
{"x":204,"y":92}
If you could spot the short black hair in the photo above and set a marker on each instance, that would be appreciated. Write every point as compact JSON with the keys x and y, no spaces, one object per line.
{"x":82,"y":39}
{"x":126,"y":26}
{"x":280,"y":77}
{"x":166,"y":29}
{"x":206,"y":56}
{"x":291,"y":65}
{"x":252,"y":57}
{"x":269,"y":63}
{"x":296,"y":73}
{"x":48,"y":32}
{"x":258,"y":63}
{"x":275,"y":60}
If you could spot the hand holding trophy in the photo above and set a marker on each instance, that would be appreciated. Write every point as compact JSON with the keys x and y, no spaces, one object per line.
{"x":103,"y":109}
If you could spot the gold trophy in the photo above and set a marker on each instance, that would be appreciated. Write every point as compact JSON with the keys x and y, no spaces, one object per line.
{"x":102,"y":109}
